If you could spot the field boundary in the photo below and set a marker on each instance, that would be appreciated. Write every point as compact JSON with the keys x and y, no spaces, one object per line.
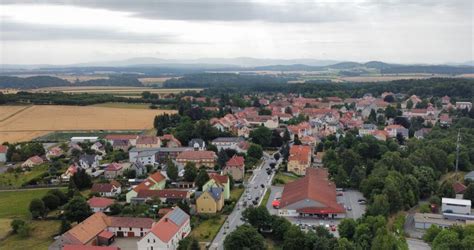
{"x":15,"y":113}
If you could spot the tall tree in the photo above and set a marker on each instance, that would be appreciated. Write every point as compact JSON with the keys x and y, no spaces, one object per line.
{"x":37,"y":208}
{"x":190,"y":171}
{"x":244,"y":237}
{"x":262,"y":136}
{"x":201,"y":178}
{"x":77,"y":209}
{"x":171,"y":170}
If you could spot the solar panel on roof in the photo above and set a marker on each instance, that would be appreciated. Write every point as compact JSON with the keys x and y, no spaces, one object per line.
{"x":178,"y":216}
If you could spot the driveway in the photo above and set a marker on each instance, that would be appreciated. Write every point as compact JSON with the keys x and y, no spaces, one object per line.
{"x":415,"y":244}
{"x":126,"y":243}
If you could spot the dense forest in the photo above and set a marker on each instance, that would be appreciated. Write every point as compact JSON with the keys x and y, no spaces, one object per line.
{"x":218,"y":80}
{"x":50,"y":81}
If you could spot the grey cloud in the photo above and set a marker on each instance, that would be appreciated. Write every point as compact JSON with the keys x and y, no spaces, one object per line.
{"x":15,"y":31}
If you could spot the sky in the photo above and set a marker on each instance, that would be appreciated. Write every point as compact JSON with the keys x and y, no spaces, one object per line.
{"x":397,"y":31}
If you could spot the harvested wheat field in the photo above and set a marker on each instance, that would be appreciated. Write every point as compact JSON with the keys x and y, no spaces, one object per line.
{"x":34,"y":121}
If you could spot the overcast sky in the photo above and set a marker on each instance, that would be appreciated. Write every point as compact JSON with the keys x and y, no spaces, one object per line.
{"x":401,"y":31}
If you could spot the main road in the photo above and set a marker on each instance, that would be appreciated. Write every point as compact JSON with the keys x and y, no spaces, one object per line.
{"x":253,"y":189}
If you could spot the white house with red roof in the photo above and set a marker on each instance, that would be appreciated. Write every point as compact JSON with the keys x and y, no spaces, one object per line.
{"x":235,"y":167}
{"x":3,"y":153}
{"x":111,"y":189}
{"x":167,"y":232}
{"x":32,"y":161}
{"x":154,"y":182}
{"x":100,"y":204}
{"x":54,"y":153}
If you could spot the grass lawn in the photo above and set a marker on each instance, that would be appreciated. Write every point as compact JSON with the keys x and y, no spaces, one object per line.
{"x":265,"y":198}
{"x":16,"y":179}
{"x":208,"y":229}
{"x":4,"y":227}
{"x":236,"y":193}
{"x":14,"y":204}
{"x":40,"y":237}
{"x":123,"y":105}
{"x":284,"y":178}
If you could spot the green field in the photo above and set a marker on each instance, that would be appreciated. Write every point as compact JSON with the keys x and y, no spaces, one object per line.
{"x":62,"y":136}
{"x":17,"y":179}
{"x":41,"y":236}
{"x":236,"y":193}
{"x":14,"y":204}
{"x":208,"y":229}
{"x":266,"y":198}
{"x":284,"y":178}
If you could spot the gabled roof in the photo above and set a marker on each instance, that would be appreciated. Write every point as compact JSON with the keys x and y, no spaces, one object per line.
{"x":300,"y":153}
{"x":88,"y":229}
{"x":170,"y":224}
{"x":143,"y":139}
{"x":149,"y":182}
{"x":100,"y":202}
{"x":134,"y":222}
{"x":102,"y":187}
{"x":236,"y":161}
{"x":459,"y":188}
{"x":228,"y":140}
{"x":314,"y":186}
{"x":113,"y":167}
{"x":165,"y":193}
{"x":196,"y":155}
{"x":215,"y":192}
{"x":35,"y":159}
{"x":221,"y":179}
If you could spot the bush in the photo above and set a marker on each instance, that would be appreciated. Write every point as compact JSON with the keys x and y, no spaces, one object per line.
{"x":51,"y":201}
{"x":16,"y":224}
{"x":24,"y":230}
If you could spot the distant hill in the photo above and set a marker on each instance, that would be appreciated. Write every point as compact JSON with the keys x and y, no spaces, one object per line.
{"x":34,"y":82}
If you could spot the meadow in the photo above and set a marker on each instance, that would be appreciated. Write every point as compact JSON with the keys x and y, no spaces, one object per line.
{"x":38,"y":120}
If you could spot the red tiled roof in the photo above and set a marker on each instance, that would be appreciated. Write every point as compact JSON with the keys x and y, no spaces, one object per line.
{"x":100,"y":202}
{"x":121,"y":137}
{"x":113,"y":167}
{"x":88,"y":247}
{"x":36,"y":159}
{"x":149,"y":182}
{"x":314,"y":186}
{"x":196,"y":155}
{"x":134,"y":222}
{"x":3,"y":149}
{"x":106,"y":234}
{"x":102,"y":187}
{"x":222,"y":179}
{"x":236,"y":161}
{"x":166,"y":228}
{"x":147,"y":140}
{"x":88,"y":229}
{"x":459,"y":188}
{"x":165,"y":193}
{"x":300,"y":153}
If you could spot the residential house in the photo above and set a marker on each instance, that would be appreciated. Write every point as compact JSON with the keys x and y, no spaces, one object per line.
{"x":220,"y":181}
{"x":169,"y":141}
{"x":199,"y":158}
{"x":114,"y":170}
{"x":170,"y":196}
{"x":445,"y":121}
{"x":367,"y":129}
{"x":464,"y":105}
{"x":70,"y":171}
{"x":299,"y":159}
{"x":268,"y":121}
{"x":421,"y":133}
{"x":111,"y":189}
{"x":100,"y":229}
{"x":154,"y":182}
{"x":146,"y":156}
{"x":100,"y":204}
{"x":3,"y":153}
{"x":223,"y":143}
{"x":87,"y":161}
{"x":167,"y":232}
{"x":139,"y":168}
{"x":32,"y":161}
{"x":210,"y":200}
{"x":235,"y":167}
{"x":380,"y":135}
{"x":99,"y":148}
{"x":123,"y":145}
{"x":395,"y":129}
{"x":144,"y":141}
{"x":132,"y":139}
{"x":459,"y":189}
{"x":311,"y":196}
{"x":197,"y":144}
{"x":318,"y":159}
{"x":301,"y":130}
{"x":54,"y":152}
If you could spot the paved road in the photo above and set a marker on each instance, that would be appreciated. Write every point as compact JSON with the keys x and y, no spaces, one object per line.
{"x":415,"y":244}
{"x":252,"y":190}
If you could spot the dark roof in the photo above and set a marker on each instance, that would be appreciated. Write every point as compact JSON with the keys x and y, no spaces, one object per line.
{"x":228,"y":139}
{"x":89,"y":159}
{"x":102,"y":187}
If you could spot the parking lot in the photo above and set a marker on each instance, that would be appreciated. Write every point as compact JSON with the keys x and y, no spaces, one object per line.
{"x":349,"y":200}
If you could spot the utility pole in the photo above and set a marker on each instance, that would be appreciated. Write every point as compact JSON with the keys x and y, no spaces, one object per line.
{"x":457,"y":149}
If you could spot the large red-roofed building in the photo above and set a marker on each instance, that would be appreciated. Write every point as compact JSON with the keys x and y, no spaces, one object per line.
{"x":311,"y":196}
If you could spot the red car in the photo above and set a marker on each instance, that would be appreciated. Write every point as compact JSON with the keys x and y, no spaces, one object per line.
{"x":276,"y":204}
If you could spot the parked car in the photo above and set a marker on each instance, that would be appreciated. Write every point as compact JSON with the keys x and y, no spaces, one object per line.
{"x":349,"y":208}
{"x":262,"y":186}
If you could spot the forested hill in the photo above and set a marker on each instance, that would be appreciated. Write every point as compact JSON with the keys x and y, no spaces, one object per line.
{"x":208,"y":80}
{"x":50,"y":81}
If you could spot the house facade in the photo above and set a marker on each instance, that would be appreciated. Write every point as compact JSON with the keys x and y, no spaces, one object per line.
{"x":154,"y":182}
{"x":199,"y":158}
{"x":235,"y":167}
{"x":299,"y":159}
{"x":210,"y":201}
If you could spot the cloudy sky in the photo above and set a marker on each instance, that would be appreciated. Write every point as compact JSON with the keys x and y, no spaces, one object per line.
{"x":402,"y":31}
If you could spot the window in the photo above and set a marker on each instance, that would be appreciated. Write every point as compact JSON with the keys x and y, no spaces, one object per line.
{"x":141,"y":228}
{"x":130,"y":228}
{"x":148,"y":240}
{"x":120,"y":228}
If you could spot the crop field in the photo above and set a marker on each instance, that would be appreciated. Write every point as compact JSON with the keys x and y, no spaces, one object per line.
{"x":154,"y":80}
{"x":35,"y":121}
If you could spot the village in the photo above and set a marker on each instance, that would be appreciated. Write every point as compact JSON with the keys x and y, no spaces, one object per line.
{"x":142,"y":191}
